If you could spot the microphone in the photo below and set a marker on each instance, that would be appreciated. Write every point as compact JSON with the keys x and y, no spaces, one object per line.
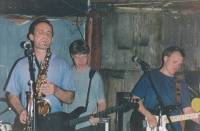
{"x":136,"y":59}
{"x":145,"y":66}
{"x":26,"y":45}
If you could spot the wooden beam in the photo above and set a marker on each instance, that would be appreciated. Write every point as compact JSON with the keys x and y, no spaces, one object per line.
{"x":123,"y":1}
{"x":94,"y":39}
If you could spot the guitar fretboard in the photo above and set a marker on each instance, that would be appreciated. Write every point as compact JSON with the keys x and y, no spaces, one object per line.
{"x":99,"y":114}
{"x":182,"y":117}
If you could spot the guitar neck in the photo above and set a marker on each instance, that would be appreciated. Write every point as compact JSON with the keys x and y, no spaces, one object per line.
{"x":96,"y":115}
{"x":182,"y":117}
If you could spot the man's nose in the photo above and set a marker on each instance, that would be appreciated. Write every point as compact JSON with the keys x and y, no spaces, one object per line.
{"x":46,"y":34}
{"x":80,"y":60}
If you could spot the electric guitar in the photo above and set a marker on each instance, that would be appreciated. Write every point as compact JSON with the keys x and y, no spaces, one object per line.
{"x":70,"y":124}
{"x":67,"y":121}
{"x":164,"y":121}
{"x":140,"y":123}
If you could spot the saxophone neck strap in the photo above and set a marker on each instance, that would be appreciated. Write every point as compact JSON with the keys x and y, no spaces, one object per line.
{"x":37,"y":63}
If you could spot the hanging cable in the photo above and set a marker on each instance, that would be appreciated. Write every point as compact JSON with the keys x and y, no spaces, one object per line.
{"x":79,"y":28}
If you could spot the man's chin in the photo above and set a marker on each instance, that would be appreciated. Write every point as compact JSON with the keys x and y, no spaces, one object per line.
{"x":81,"y":67}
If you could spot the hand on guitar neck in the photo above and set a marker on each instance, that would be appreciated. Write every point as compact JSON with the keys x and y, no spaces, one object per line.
{"x":162,"y":120}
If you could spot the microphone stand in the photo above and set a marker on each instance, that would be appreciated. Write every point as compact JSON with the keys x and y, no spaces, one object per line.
{"x":31,"y":60}
{"x":7,"y":109}
{"x":146,"y":68}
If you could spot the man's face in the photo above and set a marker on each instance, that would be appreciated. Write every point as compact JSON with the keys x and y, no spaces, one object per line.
{"x":172,"y":63}
{"x":80,"y":61}
{"x":42,"y":36}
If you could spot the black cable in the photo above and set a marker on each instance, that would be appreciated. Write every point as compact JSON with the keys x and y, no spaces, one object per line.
{"x":78,"y":27}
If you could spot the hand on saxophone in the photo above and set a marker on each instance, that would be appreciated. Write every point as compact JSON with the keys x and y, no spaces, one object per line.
{"x":48,"y":88}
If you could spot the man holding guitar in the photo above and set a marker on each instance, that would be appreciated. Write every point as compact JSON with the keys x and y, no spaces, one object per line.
{"x":165,"y":84}
{"x":88,"y":97}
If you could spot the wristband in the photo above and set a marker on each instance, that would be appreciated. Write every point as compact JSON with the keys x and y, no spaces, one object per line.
{"x":21,"y":111}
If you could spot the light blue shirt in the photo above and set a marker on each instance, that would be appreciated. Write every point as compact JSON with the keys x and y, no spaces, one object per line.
{"x":59,"y":73}
{"x":82,"y":84}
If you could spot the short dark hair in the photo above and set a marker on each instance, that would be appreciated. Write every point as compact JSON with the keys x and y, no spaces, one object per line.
{"x":36,"y":22}
{"x":168,"y":52}
{"x":79,"y":47}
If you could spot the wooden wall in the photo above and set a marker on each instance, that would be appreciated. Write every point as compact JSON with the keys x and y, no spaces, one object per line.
{"x":128,"y":33}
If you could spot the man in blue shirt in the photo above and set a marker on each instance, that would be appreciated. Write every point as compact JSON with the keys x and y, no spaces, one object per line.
{"x":57,"y":84}
{"x":165,"y":84}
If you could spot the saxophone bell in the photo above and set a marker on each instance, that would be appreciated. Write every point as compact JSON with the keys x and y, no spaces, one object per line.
{"x":44,"y":107}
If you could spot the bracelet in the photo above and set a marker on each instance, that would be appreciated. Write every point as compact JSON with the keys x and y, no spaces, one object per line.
{"x":55,"y":90}
{"x":21,"y":111}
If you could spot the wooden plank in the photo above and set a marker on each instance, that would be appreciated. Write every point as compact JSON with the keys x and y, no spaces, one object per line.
{"x":124,"y":35}
{"x":108,"y":57}
{"x":187,"y":39}
{"x":113,"y":82}
{"x":121,"y":1}
{"x":155,"y":40}
{"x":196,"y":48}
{"x":94,"y":39}
{"x":107,"y":1}
{"x":141,"y":30}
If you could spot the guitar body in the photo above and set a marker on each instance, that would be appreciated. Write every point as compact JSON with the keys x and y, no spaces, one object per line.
{"x":56,"y":122}
{"x":161,"y":127}
{"x":195,"y":104}
{"x":138,"y":121}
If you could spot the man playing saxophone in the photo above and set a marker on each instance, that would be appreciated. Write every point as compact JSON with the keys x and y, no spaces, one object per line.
{"x":53,"y":77}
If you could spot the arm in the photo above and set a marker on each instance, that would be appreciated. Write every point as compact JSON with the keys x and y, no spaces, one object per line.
{"x":51,"y":89}
{"x":20,"y":110}
{"x":101,"y":105}
{"x":151,"y":119}
{"x":65,"y":96}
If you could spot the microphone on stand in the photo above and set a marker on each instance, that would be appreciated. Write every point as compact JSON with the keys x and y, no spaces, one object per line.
{"x":26,"y":45}
{"x":137,"y":59}
{"x":28,"y":48}
{"x":145,"y":66}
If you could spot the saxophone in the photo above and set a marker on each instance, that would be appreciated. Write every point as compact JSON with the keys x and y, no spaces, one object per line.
{"x":43,"y":105}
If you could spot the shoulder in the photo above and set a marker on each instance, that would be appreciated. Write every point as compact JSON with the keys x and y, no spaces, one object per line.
{"x":156,"y":72}
{"x":55,"y":57}
{"x":59,"y":60}
{"x":21,"y":62}
{"x":96,"y":75}
{"x":183,"y":83}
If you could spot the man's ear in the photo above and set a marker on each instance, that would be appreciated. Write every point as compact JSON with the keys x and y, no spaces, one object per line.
{"x":165,"y":58}
{"x":31,"y":37}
